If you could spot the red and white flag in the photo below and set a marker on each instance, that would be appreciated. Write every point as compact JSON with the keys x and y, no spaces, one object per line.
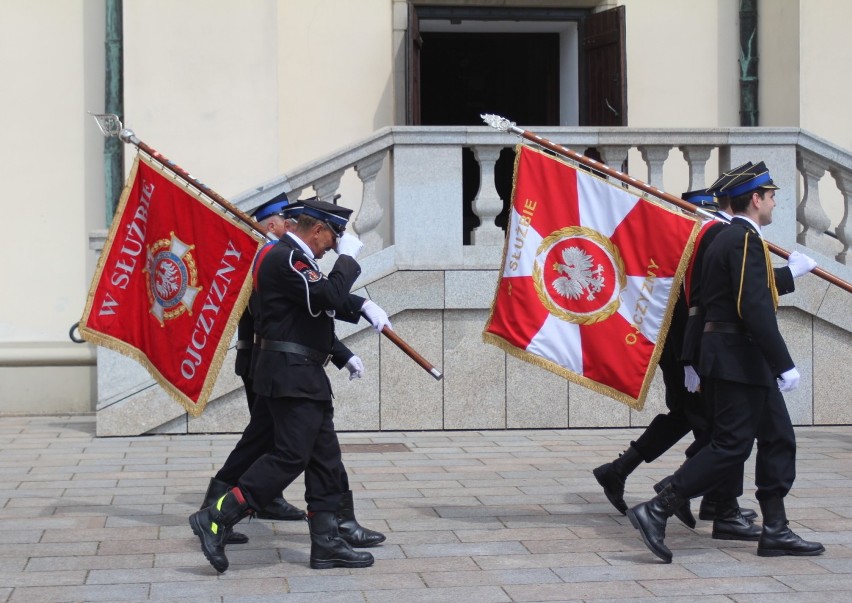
{"x":590,"y":276}
{"x":171,"y":283}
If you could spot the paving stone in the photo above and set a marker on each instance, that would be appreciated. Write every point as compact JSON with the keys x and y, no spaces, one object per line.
{"x":336,"y":597}
{"x":363,"y":580}
{"x":109,"y":593}
{"x":489,"y":577}
{"x":708,"y":586}
{"x":89,"y":562}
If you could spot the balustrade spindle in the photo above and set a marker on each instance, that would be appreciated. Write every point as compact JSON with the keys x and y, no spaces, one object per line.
{"x":487,"y":203}
{"x":809,"y":212}
{"x":370,"y":214}
{"x":844,"y":229}
{"x":696,"y":157}
{"x":654,"y":157}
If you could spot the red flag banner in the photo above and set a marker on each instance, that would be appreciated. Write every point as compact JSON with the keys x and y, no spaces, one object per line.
{"x":589,"y":279}
{"x":171,"y":283}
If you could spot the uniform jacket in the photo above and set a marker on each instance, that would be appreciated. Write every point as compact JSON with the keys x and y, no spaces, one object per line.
{"x":245,"y":340}
{"x":296,"y":303}
{"x":735,"y":290}
{"x":695,"y":322}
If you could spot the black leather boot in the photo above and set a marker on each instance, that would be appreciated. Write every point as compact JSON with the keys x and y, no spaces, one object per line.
{"x":350,"y":530}
{"x":216,"y":490}
{"x":731,"y":525}
{"x":613,"y":476}
{"x":280,"y":510}
{"x":777,"y":538}
{"x":211,"y":525}
{"x":683,"y":512}
{"x":328,"y":549}
{"x":707,"y":510}
{"x":650,"y":519}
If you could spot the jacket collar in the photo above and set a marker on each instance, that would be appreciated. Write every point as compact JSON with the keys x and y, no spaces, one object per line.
{"x":748,"y":223}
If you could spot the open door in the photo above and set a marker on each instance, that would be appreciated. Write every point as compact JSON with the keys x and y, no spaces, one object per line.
{"x":415,"y":43}
{"x":603,"y":68}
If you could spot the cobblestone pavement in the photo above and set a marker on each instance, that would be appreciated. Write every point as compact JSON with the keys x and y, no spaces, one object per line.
{"x":470,"y":516}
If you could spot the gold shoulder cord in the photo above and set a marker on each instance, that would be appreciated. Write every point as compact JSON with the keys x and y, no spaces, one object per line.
{"x":770,"y":276}
{"x":742,"y":275}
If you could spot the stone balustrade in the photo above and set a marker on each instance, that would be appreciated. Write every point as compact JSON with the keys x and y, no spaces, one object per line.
{"x":436,"y":154}
{"x":438,"y":289}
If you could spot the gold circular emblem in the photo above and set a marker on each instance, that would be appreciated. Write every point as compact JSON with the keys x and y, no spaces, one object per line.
{"x":172,"y":278}
{"x":578,"y":275}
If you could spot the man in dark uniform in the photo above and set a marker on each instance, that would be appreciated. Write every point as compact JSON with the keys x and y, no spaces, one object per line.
{"x":274,"y":219}
{"x":295,"y":311}
{"x":744,"y":367}
{"x":688,"y":410}
{"x":666,"y":429}
{"x":730,"y":521}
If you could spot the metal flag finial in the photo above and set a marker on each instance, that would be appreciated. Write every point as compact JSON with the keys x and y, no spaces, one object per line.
{"x":108,"y":123}
{"x":498,"y":123}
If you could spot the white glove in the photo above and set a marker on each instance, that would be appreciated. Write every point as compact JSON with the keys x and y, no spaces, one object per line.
{"x":356,"y":368}
{"x":691,"y":379}
{"x":377,"y":317}
{"x":349,"y":245}
{"x":789,"y":380}
{"x":800,"y":264}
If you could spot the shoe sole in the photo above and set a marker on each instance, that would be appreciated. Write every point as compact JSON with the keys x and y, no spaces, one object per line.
{"x":364,"y":545}
{"x":331,"y":563}
{"x":724,"y":536}
{"x":237,"y":538}
{"x":712,"y":517}
{"x":609,"y":497}
{"x":198,"y":531}
{"x":782,"y":553}
{"x":280,"y":517}
{"x":632,"y":517}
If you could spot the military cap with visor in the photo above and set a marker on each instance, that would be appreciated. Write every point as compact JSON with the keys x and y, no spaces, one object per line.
{"x":701,"y":197}
{"x":747,"y":180}
{"x":277,"y":206}
{"x":335,"y":216}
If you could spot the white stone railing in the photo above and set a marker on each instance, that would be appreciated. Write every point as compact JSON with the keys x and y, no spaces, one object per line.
{"x":420,"y":169}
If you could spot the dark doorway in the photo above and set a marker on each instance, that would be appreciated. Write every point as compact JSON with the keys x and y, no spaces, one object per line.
{"x":465,"y":74}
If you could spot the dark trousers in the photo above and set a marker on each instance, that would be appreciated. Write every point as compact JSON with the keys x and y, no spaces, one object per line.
{"x":248,"y":385}
{"x":741,"y":413}
{"x":259,"y":438}
{"x":304,"y":441}
{"x":686,"y":412}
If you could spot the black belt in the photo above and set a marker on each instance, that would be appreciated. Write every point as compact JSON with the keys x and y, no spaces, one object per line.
{"x":724,"y":327}
{"x":295,"y":348}
{"x":244,"y":344}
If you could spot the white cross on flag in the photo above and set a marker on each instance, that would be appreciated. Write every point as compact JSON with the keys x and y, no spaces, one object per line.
{"x":590,"y":276}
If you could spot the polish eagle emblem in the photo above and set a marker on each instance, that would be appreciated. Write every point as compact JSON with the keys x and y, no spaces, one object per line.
{"x":579,"y":275}
{"x":172,"y":278}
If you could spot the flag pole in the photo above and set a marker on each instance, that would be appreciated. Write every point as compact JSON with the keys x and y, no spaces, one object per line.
{"x":110,"y":125}
{"x":424,"y":364}
{"x":504,"y":125}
